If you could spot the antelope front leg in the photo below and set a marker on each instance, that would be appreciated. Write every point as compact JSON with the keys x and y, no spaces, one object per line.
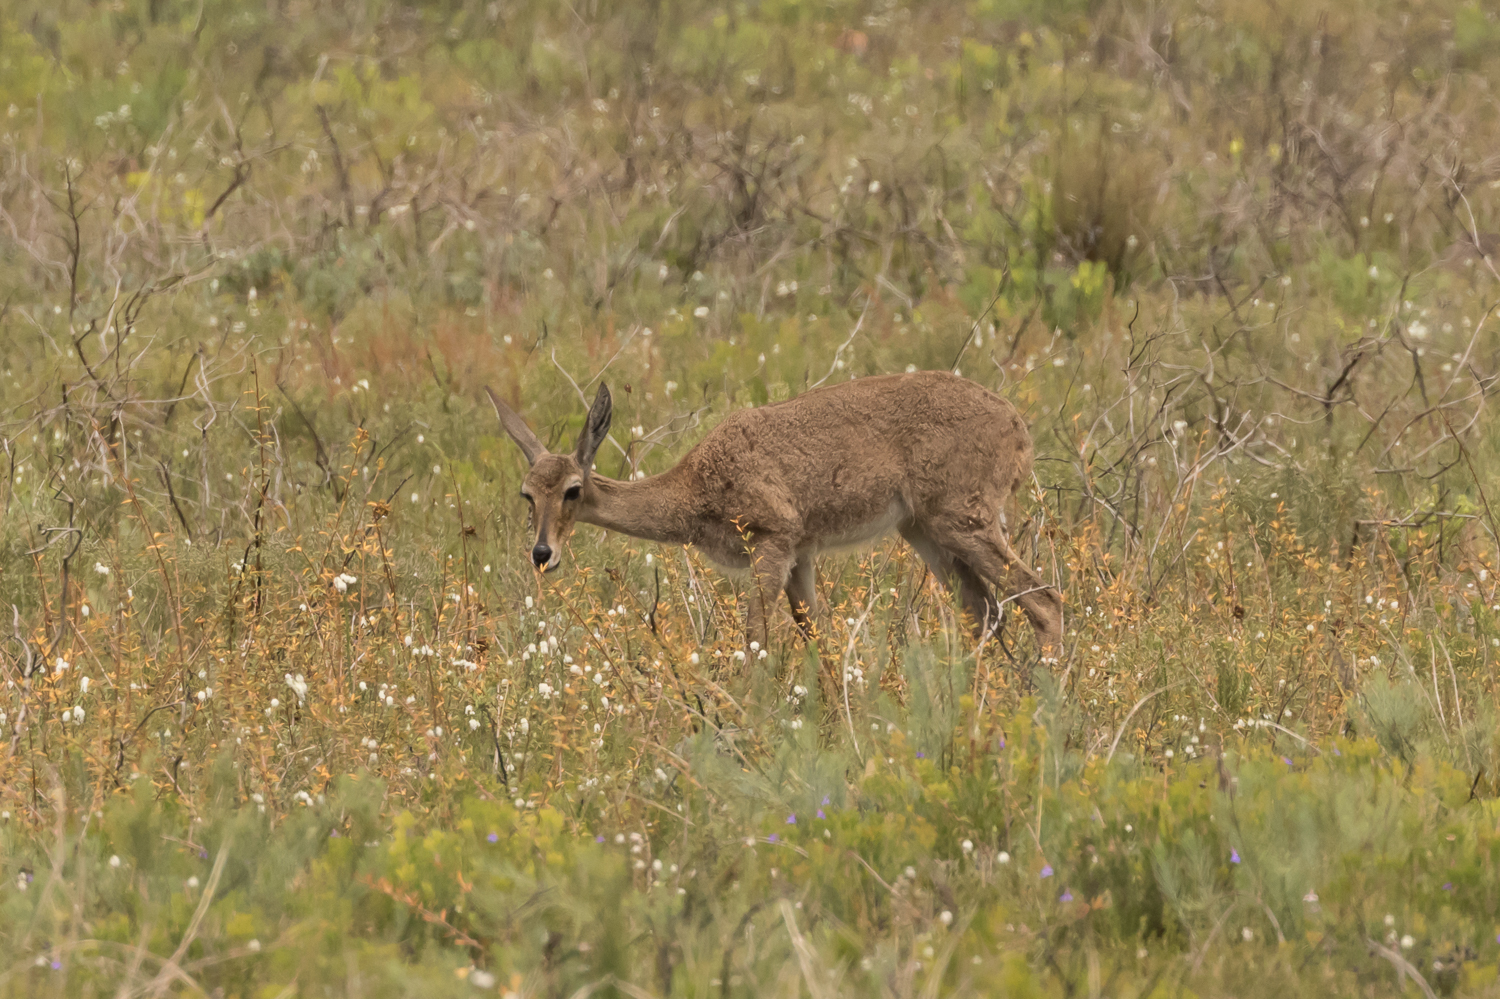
{"x":770,"y":564}
{"x":802,"y":594}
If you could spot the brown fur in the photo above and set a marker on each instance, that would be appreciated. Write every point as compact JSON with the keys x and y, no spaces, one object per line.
{"x":929,"y":454}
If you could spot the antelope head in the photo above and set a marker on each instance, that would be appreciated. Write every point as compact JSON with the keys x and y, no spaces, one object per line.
{"x":559,"y":486}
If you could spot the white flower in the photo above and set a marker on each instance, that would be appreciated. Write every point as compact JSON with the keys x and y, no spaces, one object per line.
{"x":1003,"y":857}
{"x":83,"y":685}
{"x":62,"y":664}
{"x":192,"y":882}
{"x":1407,"y":942}
{"x":701,"y":311}
{"x":254,"y":946}
{"x":114,"y":861}
{"x":343,"y":581}
{"x":101,"y":568}
{"x":946,"y":917}
{"x":481,"y":979}
{"x":525,"y":726}
{"x":968,"y":846}
{"x":1247,"y":934}
{"x":298,"y":685}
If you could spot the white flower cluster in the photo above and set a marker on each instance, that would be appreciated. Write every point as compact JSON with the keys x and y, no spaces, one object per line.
{"x":109,"y":118}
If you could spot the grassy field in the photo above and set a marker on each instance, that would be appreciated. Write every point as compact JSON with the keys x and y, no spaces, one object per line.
{"x":286,"y":713}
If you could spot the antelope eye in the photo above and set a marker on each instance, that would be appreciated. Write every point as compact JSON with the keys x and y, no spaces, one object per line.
{"x":526,"y":497}
{"x":572,"y":492}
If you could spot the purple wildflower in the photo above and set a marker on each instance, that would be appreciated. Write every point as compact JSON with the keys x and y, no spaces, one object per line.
{"x":598,"y":839}
{"x":772,"y":838}
{"x":791,"y":819}
{"x":1066,"y":896}
{"x":1234,"y":856}
{"x":495,"y":837}
{"x":1287,"y":760}
{"x":56,"y":965}
{"x":825,"y":801}
{"x":1448,"y":886}
{"x":921,"y":756}
{"x":333,"y":834}
{"x":821,"y":815}
{"x":1046,"y":870}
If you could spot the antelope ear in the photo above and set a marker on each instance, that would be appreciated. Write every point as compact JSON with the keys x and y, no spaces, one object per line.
{"x":595,"y":427}
{"x":516,"y":428}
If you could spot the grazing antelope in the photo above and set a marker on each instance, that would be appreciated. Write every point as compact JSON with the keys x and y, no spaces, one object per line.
{"x":931,"y":455}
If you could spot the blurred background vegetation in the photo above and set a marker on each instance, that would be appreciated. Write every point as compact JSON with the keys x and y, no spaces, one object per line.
{"x":285,"y":710}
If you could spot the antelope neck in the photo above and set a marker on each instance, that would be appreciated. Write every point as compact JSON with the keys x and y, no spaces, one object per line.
{"x":652,"y":509}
